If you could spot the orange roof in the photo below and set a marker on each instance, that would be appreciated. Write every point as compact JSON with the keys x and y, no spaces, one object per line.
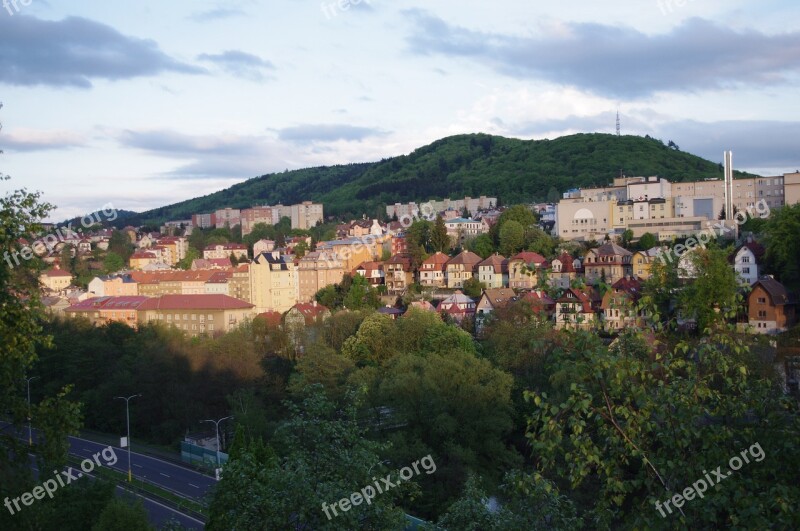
{"x":57,"y":273}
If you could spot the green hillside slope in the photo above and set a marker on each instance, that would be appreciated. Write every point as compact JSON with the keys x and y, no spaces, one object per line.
{"x":511,"y":169}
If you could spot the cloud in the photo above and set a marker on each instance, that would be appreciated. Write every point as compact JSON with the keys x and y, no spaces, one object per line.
{"x":28,"y":140}
{"x":216,"y":14}
{"x":620,"y":61}
{"x":75,"y":51}
{"x":327,"y":133}
{"x":182,"y":145}
{"x":239,"y":64}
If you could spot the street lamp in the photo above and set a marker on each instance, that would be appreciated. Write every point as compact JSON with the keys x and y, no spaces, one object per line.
{"x":30,"y":436}
{"x":216,"y":427}
{"x":128,"y":419}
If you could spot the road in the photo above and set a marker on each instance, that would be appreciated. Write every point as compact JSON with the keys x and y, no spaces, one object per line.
{"x":169,"y":476}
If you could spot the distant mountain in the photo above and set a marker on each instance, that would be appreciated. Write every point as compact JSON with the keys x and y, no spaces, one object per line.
{"x":465,"y":165}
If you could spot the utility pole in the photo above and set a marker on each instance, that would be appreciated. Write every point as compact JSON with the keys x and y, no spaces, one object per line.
{"x":216,"y":428}
{"x":28,"y":381}
{"x":128,"y":421}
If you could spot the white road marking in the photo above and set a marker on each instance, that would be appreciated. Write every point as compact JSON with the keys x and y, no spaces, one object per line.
{"x":163,"y":474}
{"x":137,"y":466}
{"x":195,"y":486}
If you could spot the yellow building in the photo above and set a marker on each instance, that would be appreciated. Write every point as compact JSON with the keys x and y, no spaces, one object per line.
{"x":273,"y":283}
{"x":55,"y":280}
{"x":317,"y":270}
{"x":197,"y":314}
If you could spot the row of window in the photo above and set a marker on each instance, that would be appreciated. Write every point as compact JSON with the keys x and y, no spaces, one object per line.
{"x":186,"y":317}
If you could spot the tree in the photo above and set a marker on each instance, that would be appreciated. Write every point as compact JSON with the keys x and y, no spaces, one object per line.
{"x":317,"y":457}
{"x":113,"y":262}
{"x":482,"y":245}
{"x":626,"y":238}
{"x":473,"y":287}
{"x":191,"y":255}
{"x":647,"y":241}
{"x":512,"y":238}
{"x":301,"y":249}
{"x":629,"y":427}
{"x":553,"y":196}
{"x":519,"y":213}
{"x":713,"y":297}
{"x":120,"y":244}
{"x":22,"y":333}
{"x":539,"y":241}
{"x":122,"y":515}
{"x":440,"y":240}
{"x":783,"y":246}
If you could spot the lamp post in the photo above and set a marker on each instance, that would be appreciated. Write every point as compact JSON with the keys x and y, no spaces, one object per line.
{"x":30,"y":434}
{"x":216,"y":428}
{"x":128,"y":420}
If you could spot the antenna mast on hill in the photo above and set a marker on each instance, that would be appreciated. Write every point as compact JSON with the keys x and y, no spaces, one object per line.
{"x":618,"y":127}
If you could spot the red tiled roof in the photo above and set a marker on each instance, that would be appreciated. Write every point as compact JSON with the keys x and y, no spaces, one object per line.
{"x":499,"y":262}
{"x":436,"y":259}
{"x":529,"y":257}
{"x":272,"y":318}
{"x":195,"y":302}
{"x":467,"y":258}
{"x":57,"y":273}
{"x":131,"y":302}
{"x":567,"y":262}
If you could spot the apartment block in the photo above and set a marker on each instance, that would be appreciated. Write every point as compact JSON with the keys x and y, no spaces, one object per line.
{"x":273,"y":283}
{"x":306,"y":215}
{"x":196,"y":314}
{"x":228,"y":217}
{"x":317,"y":270}
{"x":252,"y":216}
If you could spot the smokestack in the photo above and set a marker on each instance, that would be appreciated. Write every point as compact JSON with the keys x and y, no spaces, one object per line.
{"x":728,"y":185}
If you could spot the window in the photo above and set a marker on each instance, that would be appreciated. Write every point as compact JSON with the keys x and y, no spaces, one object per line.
{"x":211,"y":318}
{"x":169,"y":317}
{"x":177,"y":317}
{"x":211,"y":328}
{"x":746,"y":270}
{"x":762,"y":300}
{"x":762,"y":314}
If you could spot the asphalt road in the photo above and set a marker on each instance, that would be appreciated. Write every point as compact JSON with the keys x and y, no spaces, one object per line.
{"x":169,"y":476}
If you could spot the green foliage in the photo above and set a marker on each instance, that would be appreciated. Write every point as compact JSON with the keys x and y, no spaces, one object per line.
{"x":514,"y":170}
{"x":123,"y":515}
{"x":783,"y":246}
{"x":626,"y":427}
{"x":320,"y":457}
{"x":121,"y":245}
{"x":647,"y":241}
{"x":439,"y":240}
{"x":353,"y":293}
{"x":511,"y":238}
{"x":482,"y":245}
{"x":713,"y":297}
{"x":539,"y":241}
{"x":473,"y":288}
{"x":113,"y":263}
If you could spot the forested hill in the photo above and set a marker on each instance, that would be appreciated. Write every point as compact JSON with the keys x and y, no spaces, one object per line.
{"x":513,"y":170}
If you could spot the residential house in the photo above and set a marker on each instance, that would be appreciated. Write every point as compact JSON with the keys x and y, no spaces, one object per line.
{"x":102,"y":310}
{"x":274,"y":283}
{"x":461,"y":268}
{"x":238,"y":250}
{"x":770,"y":307}
{"x":239,"y":283}
{"x":398,"y":273}
{"x":458,"y":306}
{"x":55,"y":280}
{"x":306,"y":314}
{"x":524,"y":269}
{"x":422,"y":305}
{"x":55,"y":305}
{"x":462,"y":230}
{"x":745,"y":262}
{"x":372,"y":271}
{"x":113,"y":286}
{"x":218,"y":283}
{"x":392,"y":313}
{"x":493,"y":272}
{"x":574,"y":311}
{"x":197,"y":314}
{"x":493,"y":299}
{"x":607,"y":263}
{"x":643,"y":260}
{"x":563,"y":270}
{"x":211,"y":263}
{"x":541,"y":303}
{"x":263,"y":246}
{"x":272,"y":319}
{"x":141,"y":259}
{"x":317,"y":270}
{"x":619,"y":306}
{"x":432,"y":270}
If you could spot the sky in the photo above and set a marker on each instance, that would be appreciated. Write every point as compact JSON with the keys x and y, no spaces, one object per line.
{"x":143,"y":104}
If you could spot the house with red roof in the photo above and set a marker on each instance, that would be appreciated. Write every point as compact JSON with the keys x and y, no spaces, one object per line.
{"x":372,"y":271}
{"x":540,"y":302}
{"x":574,"y":311}
{"x":220,"y":250}
{"x":196,"y":314}
{"x":55,"y":280}
{"x":458,"y":306}
{"x":432,"y":272}
{"x":524,"y":268}
{"x":398,"y":273}
{"x":563,"y":270}
{"x":306,"y":314}
{"x":493,"y":272}
{"x":607,"y":263}
{"x":102,"y":310}
{"x":619,"y":306}
{"x":461,"y":268}
{"x":273,"y":319}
